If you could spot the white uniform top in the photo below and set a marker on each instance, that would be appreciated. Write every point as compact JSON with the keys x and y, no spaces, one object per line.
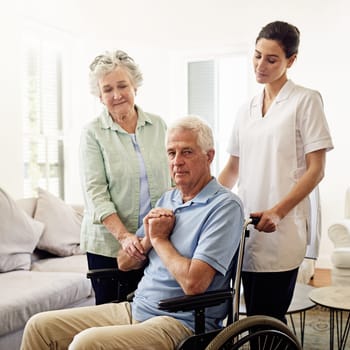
{"x":271,"y":151}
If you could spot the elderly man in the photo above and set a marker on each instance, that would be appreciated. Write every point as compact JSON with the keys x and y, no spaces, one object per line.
{"x":188,"y":242}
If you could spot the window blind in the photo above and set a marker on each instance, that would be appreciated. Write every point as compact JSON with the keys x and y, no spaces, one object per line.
{"x":42,"y":114}
{"x":201,"y":90}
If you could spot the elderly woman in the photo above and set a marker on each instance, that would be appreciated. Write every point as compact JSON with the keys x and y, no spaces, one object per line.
{"x":123,"y":165}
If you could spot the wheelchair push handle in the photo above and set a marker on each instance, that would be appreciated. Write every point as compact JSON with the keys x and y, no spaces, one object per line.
{"x":254,"y":220}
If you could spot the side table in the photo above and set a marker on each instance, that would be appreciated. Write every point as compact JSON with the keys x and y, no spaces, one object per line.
{"x":337,"y":300}
{"x":300,"y":304}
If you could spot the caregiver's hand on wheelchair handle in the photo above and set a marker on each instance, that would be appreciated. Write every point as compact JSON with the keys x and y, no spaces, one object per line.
{"x":266,"y":221}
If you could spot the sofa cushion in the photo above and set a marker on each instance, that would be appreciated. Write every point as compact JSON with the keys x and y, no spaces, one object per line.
{"x":11,"y":262}
{"x":19,"y":234}
{"x":73,"y":263}
{"x":62,"y":225}
{"x":25,"y":293}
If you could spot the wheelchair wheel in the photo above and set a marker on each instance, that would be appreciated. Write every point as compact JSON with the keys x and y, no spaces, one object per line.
{"x":255,"y":333}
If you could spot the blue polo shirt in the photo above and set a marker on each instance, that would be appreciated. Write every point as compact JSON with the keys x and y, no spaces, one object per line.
{"x":207,"y":228}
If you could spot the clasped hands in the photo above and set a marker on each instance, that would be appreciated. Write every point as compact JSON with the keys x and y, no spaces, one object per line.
{"x":158,"y":225}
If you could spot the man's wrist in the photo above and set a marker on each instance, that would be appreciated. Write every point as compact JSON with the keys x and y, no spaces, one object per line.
{"x":147,"y":246}
{"x":156,"y":241}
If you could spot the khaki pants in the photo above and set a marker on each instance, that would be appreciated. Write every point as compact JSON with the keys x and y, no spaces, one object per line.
{"x":107,"y":326}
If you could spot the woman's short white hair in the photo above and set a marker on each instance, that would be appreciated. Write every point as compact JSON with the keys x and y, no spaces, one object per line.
{"x":108,"y":62}
{"x":200,"y":127}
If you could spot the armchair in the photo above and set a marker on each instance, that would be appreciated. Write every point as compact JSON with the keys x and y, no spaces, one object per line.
{"x":339,"y":234}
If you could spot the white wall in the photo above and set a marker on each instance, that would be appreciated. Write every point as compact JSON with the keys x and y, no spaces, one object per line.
{"x":10,"y":105}
{"x":152,"y":31}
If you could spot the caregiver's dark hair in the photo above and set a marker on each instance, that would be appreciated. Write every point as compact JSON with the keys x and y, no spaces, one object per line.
{"x":286,"y":34}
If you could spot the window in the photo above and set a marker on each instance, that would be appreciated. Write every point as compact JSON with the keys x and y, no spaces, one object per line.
{"x":217,"y":87}
{"x":42,"y":115}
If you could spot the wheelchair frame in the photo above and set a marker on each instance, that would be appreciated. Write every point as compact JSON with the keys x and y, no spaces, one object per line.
{"x":267,"y":332}
{"x":256,"y":332}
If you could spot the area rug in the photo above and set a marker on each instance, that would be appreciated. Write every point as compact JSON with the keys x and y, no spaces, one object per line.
{"x":316,"y":336}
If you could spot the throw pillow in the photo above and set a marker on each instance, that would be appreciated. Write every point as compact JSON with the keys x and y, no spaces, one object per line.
{"x":62,"y":225}
{"x":19,"y":235}
{"x":16,"y":261}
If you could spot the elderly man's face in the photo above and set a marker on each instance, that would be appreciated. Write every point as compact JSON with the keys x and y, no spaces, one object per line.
{"x":189,"y":164}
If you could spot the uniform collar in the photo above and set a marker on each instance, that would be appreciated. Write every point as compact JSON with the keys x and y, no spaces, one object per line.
{"x":285,"y":91}
{"x":283,"y":94}
{"x":108,"y":123}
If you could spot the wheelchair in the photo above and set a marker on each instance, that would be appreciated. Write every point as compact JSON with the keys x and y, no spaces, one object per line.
{"x":251,"y":332}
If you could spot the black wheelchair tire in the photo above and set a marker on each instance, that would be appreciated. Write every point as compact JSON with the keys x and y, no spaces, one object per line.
{"x":249,"y":328}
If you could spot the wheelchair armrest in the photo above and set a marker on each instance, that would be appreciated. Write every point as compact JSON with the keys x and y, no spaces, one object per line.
{"x":103,"y":273}
{"x":192,"y":302}
{"x":124,"y":286}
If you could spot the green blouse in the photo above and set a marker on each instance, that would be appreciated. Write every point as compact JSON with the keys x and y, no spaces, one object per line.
{"x":110,"y":175}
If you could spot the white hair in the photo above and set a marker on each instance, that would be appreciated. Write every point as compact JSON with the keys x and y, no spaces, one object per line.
{"x":108,"y":62}
{"x":197,"y":125}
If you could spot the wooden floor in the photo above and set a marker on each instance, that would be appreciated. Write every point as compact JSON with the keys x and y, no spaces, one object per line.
{"x":321,"y":278}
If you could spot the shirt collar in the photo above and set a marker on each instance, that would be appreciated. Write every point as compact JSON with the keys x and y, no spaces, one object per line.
{"x":209,"y":191}
{"x":108,"y":123}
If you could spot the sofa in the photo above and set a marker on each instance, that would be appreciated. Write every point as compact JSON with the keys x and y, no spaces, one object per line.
{"x":41,"y":265}
{"x":339,"y":234}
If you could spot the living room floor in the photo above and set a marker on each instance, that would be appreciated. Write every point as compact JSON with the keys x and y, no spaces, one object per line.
{"x":321,"y":278}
